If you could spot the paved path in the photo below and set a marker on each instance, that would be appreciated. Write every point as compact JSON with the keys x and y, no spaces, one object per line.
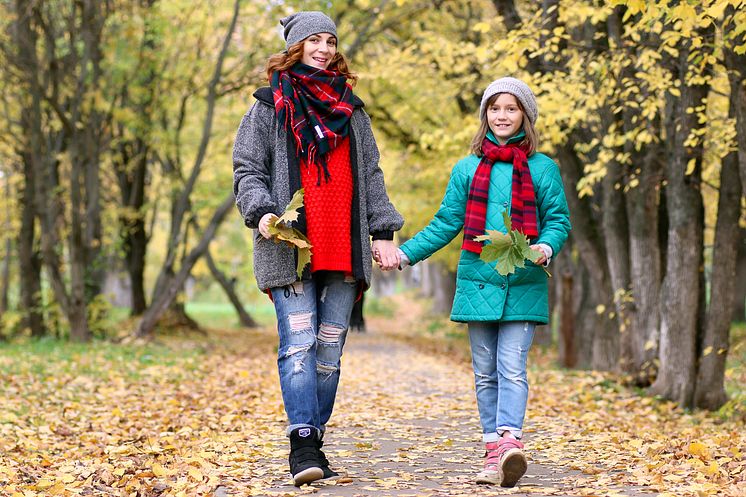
{"x":406,"y":424}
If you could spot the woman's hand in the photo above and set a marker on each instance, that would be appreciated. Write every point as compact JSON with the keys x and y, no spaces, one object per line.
{"x":386,"y":254}
{"x":264,"y":224}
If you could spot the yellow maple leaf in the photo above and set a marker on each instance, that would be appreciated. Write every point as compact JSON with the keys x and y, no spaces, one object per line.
{"x":698,"y":449}
{"x":159,"y":470}
{"x":44,"y":483}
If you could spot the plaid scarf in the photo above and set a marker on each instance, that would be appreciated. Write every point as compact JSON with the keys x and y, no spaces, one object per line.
{"x":316,"y":106}
{"x":523,"y":199}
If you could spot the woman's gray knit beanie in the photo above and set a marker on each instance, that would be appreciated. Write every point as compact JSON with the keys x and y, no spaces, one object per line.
{"x":518,"y":89}
{"x":301,"y":25}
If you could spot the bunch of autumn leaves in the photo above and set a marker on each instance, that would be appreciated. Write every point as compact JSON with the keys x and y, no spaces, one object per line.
{"x":510,"y":249}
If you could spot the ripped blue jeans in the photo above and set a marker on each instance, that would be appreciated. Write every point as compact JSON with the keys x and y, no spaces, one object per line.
{"x":312,"y":321}
{"x":498,"y":354}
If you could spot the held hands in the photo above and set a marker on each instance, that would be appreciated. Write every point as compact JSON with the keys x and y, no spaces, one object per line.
{"x":385,"y":254}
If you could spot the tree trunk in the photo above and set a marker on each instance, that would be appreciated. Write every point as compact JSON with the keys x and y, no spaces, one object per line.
{"x":29,"y":259}
{"x":5,"y":270}
{"x":616,"y":240}
{"x":164,"y":290}
{"x":228,"y":287}
{"x":567,"y":353}
{"x":710,"y":389}
{"x":736,"y":64}
{"x":37,"y":180}
{"x":76,"y":312}
{"x":739,"y":292}
{"x":600,"y":330}
{"x":131,"y":172}
{"x":5,"y":276}
{"x":440,"y":284}
{"x":163,"y":301}
{"x":645,"y":269}
{"x":682,"y":291}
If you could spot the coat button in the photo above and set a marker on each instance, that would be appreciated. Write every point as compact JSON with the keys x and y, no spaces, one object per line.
{"x":505,"y":204}
{"x":481,"y":286}
{"x":502,"y":286}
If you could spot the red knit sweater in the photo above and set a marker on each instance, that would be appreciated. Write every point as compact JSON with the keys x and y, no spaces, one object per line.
{"x":329,"y":211}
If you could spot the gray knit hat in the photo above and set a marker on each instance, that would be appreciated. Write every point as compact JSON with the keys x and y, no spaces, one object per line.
{"x":518,"y":89}
{"x":301,"y":25}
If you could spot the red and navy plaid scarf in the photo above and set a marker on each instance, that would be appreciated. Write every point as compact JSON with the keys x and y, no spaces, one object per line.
{"x":523,"y":199}
{"x":315,"y":105}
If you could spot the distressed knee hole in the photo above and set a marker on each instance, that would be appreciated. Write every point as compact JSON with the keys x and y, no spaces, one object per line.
{"x":300,"y":352}
{"x":299,"y":321}
{"x":329,"y":333}
{"x":324,"y":368}
{"x":298,"y":349}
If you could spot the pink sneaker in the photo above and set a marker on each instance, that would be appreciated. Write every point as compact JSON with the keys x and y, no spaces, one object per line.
{"x":491,"y":474}
{"x":513,"y":462}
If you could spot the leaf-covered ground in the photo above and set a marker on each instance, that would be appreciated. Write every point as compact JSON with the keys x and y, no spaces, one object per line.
{"x":203,"y":416}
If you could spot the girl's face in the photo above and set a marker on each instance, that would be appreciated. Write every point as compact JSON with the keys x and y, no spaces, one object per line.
{"x":505,"y":117}
{"x":318,"y":50}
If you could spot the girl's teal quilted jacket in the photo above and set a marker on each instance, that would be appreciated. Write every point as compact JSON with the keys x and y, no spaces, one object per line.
{"x":482,"y":294}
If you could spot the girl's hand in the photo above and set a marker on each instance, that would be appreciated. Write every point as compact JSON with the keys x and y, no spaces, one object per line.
{"x":264,"y":225}
{"x":386,"y":254}
{"x":541,"y":260}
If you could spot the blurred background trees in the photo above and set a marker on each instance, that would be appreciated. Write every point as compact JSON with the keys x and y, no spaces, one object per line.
{"x":118,"y":119}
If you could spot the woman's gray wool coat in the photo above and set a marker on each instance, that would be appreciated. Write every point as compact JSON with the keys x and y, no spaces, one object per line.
{"x":265,"y":176}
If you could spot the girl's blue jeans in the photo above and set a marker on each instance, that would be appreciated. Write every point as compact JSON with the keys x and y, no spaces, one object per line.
{"x":312,"y":321}
{"x":498,"y":353}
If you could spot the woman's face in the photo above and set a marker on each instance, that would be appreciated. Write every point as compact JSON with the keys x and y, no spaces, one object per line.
{"x":505,"y":117}
{"x":319,"y":49}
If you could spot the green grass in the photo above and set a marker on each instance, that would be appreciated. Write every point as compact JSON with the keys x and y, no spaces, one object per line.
{"x":220,"y":315}
{"x":98,"y":358}
{"x":376,"y":306}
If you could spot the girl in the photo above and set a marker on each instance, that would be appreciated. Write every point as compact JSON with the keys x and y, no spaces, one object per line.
{"x":503,"y":172}
{"x":308,"y":130}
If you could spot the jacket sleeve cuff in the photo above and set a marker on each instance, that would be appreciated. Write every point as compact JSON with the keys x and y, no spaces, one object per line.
{"x":382,"y":235}
{"x":404,"y":260}
{"x":548,"y":252}
{"x":253,"y":221}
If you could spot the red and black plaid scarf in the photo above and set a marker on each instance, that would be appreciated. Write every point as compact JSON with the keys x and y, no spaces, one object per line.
{"x":523,"y":199}
{"x":315,"y":105}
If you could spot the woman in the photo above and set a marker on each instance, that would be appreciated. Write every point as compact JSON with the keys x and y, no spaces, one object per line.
{"x":307,"y":130}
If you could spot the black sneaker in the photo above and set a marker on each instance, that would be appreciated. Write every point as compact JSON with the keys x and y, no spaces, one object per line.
{"x":304,"y":458}
{"x":328,"y":473}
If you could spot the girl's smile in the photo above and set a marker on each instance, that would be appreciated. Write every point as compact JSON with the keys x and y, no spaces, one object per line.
{"x":505,"y":117}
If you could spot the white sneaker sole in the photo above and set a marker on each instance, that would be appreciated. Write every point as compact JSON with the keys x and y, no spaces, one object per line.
{"x":307,"y":476}
{"x":513,"y":466}
{"x":488,"y":478}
